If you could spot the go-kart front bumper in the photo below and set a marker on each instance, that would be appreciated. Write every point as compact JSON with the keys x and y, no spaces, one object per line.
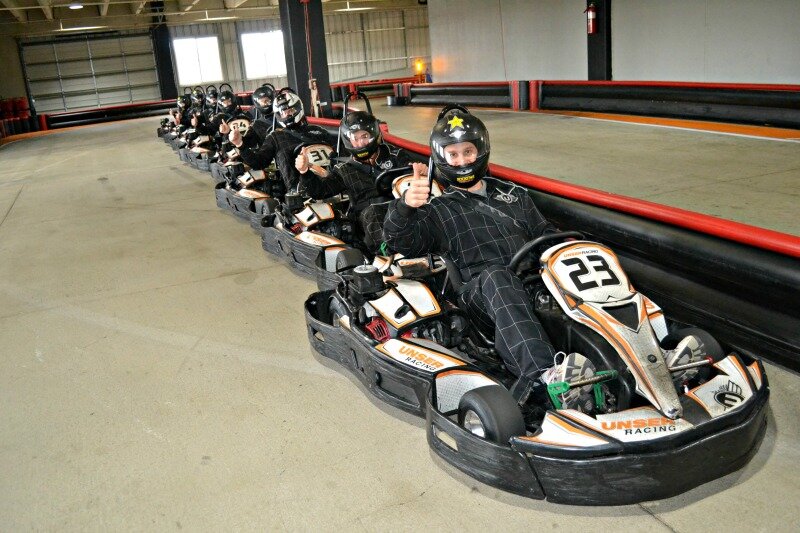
{"x":619,"y":473}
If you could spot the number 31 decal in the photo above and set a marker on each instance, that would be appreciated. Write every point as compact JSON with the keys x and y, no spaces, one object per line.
{"x":597,"y":264}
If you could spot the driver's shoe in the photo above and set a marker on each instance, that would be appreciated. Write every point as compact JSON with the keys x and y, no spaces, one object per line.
{"x":571,"y":368}
{"x":689,"y":350}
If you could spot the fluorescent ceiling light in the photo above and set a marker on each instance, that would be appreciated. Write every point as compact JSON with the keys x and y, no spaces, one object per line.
{"x":77,"y":28}
{"x":81,"y":28}
{"x":217,"y":18}
{"x":76,"y":5}
{"x":348,"y":8}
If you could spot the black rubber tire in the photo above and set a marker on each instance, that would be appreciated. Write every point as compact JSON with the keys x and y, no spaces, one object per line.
{"x":349,"y":259}
{"x":336,"y":309}
{"x":713,"y":349}
{"x":497,"y":411}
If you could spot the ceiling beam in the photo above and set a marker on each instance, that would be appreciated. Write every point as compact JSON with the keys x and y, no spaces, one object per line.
{"x":233,"y":4}
{"x":186,"y":5}
{"x":137,"y":8}
{"x":47,"y":9}
{"x":103,"y":8}
{"x":15,"y":10}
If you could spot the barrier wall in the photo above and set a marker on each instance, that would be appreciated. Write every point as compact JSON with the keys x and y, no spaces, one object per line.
{"x":740,"y":282}
{"x":108,"y":114}
{"x":339,"y":91}
{"x":775,"y":105}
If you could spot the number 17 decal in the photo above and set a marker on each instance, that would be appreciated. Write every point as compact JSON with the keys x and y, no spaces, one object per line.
{"x":598,"y":264}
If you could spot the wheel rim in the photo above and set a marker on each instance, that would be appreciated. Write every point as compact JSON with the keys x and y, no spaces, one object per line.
{"x":473,"y":424}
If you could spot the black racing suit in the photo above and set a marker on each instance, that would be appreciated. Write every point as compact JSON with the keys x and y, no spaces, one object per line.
{"x":357,"y":180}
{"x":480,"y":233}
{"x":280,"y":146}
{"x":260,"y":127}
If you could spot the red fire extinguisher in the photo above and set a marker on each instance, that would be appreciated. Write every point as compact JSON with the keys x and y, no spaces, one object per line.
{"x":591,"y":19}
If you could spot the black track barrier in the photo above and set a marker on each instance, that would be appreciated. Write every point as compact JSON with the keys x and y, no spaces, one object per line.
{"x":465,"y":100}
{"x":108,"y":114}
{"x":492,"y":90}
{"x":339,"y":91}
{"x":743,"y":105}
{"x":468,"y":95}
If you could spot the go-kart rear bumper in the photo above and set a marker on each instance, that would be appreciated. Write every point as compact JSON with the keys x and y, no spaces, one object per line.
{"x":301,"y":256}
{"x":238,"y":205}
{"x":398,"y":386}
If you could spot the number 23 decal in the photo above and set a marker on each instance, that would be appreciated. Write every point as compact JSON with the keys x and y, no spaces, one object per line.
{"x":598,"y":264}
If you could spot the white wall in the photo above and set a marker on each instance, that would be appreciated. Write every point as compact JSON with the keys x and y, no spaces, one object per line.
{"x":706,"y":40}
{"x":495,"y":40}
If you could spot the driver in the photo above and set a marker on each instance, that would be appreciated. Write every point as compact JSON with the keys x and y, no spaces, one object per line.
{"x":280,"y":144}
{"x":361,"y":136}
{"x":479,"y":223}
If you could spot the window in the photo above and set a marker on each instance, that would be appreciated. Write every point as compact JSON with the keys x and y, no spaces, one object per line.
{"x":263,"y":54}
{"x":197,"y":59}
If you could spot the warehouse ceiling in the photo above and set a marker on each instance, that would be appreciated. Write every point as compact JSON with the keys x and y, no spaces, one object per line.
{"x":38,"y":17}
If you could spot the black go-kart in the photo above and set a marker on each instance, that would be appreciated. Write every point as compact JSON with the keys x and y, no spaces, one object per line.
{"x":642,"y":408}
{"x":320,"y":240}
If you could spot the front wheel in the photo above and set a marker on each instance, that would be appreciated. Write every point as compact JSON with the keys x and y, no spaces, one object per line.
{"x":491,"y":413}
{"x":690,"y":345}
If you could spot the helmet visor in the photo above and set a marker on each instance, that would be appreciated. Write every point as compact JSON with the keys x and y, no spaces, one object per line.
{"x":360,"y":138}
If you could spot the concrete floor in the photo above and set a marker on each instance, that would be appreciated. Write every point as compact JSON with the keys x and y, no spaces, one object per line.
{"x":155,"y":373}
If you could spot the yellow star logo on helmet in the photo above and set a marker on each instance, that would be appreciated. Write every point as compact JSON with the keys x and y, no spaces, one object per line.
{"x":456,"y":122}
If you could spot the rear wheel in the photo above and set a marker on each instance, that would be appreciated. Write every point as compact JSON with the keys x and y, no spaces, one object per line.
{"x":336,"y":310}
{"x":491,"y":413}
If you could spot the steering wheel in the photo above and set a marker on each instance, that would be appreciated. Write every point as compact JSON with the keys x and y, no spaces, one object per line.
{"x":384,"y":180}
{"x":539,"y":241}
{"x":240,"y":123}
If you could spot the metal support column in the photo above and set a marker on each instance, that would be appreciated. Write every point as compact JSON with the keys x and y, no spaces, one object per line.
{"x":599,"y":43}
{"x":161,"y":51}
{"x":303,"y":47}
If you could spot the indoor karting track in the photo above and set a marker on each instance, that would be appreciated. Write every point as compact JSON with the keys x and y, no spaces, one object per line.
{"x":155,"y":370}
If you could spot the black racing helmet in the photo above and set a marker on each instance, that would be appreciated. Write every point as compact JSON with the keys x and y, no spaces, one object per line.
{"x":211,"y":96}
{"x":288,"y":108}
{"x":227,"y":102}
{"x":456,"y":125}
{"x":263,"y":97}
{"x":184,"y":101}
{"x":355,"y":122}
{"x":198,"y":96}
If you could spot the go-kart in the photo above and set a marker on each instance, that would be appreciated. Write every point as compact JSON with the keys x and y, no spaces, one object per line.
{"x":319,"y":239}
{"x":228,"y":166}
{"x":651,"y":408}
{"x":243,"y":194}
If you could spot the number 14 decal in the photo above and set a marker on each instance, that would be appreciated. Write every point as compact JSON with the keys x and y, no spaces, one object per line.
{"x":598,"y":264}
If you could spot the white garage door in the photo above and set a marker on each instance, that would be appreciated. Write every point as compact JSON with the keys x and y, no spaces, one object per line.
{"x":90,"y":72}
